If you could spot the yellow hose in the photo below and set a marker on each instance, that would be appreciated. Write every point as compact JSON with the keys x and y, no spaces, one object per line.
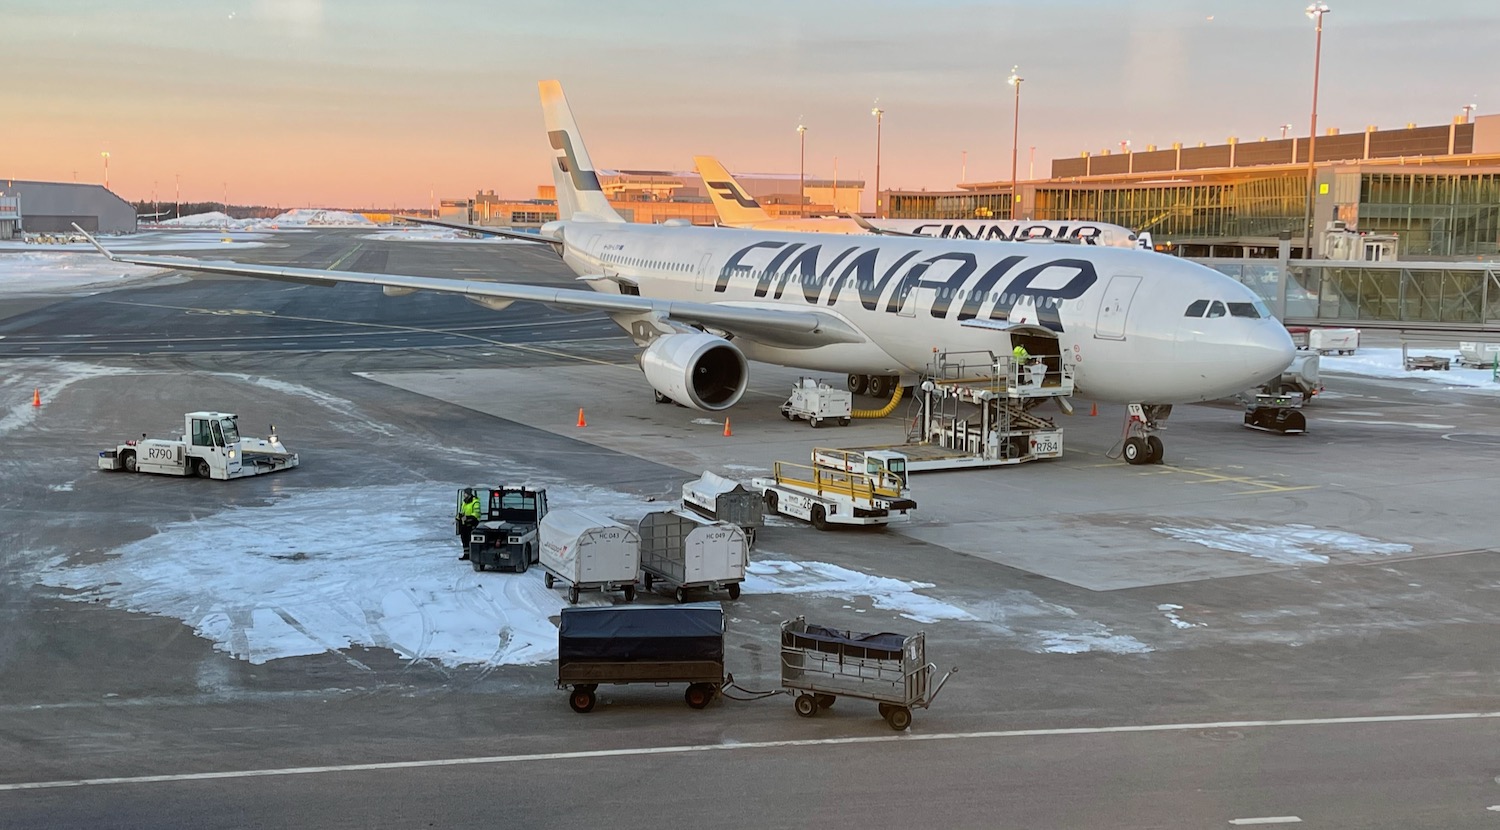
{"x":883,"y":411}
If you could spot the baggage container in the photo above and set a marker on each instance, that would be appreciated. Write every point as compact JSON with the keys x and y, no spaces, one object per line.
{"x":726,"y":500}
{"x":1333,"y":341}
{"x":1478,"y":355}
{"x":589,"y":552}
{"x":658,"y":644}
{"x":691,"y":552}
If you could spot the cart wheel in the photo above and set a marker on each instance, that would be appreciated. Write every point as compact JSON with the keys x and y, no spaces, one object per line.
{"x":1158,"y":449}
{"x":786,"y":413}
{"x":843,"y":422}
{"x":478,"y":566}
{"x":573,"y":595}
{"x":734,"y":590}
{"x":899,"y":717}
{"x":647,"y":579}
{"x":814,"y":421}
{"x":521,"y":568}
{"x":630,"y":593}
{"x":824,"y":701}
{"x":679,"y":594}
{"x":582,"y":700}
{"x":885,"y":710}
{"x":548,"y":580}
{"x":770,"y":502}
{"x":819,"y":518}
{"x":698,"y":695}
{"x":805,"y":705}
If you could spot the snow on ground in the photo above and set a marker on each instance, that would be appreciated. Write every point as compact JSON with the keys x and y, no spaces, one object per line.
{"x":1170,"y":612}
{"x":296,"y":218}
{"x":1293,"y":544}
{"x":1386,"y":363}
{"x":31,"y":273}
{"x":189,"y":240}
{"x":45,"y":378}
{"x":779,"y":576}
{"x":435,"y":234}
{"x":1063,"y":642}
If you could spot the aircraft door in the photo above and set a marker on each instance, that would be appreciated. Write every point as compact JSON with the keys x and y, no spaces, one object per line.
{"x":703,"y":270}
{"x":1114,"y":308}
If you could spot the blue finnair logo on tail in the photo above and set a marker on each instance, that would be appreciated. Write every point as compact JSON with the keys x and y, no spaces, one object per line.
{"x":583,"y":180}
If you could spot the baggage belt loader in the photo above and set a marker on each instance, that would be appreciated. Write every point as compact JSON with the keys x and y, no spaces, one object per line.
{"x":210,"y":447}
{"x":824,"y":496}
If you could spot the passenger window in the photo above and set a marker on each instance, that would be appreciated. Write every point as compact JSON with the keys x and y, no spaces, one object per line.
{"x":1216,"y":309}
{"x":1197,"y":308}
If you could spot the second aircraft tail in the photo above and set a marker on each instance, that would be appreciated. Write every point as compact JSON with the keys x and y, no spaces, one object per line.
{"x":734,"y":205}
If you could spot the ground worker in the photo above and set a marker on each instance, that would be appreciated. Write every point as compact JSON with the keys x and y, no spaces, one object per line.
{"x":468,"y":517}
{"x":1020,"y":354}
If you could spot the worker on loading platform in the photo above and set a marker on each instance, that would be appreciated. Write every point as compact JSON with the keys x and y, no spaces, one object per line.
{"x":1019,"y":356}
{"x":468,"y":517}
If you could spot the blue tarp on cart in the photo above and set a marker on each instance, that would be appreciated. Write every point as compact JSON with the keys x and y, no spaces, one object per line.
{"x":641,"y":633}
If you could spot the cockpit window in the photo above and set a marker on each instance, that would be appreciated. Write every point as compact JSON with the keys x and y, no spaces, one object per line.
{"x":1216,"y":309}
{"x":1250,"y":310}
{"x":1196,"y":309}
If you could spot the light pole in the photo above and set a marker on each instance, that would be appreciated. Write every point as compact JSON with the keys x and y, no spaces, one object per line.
{"x":105,"y":154}
{"x":177,"y":211}
{"x":963,"y":171}
{"x":1284,"y":128}
{"x":226,"y":199}
{"x":879,"y":117}
{"x":802,"y":172}
{"x":1468,"y":108}
{"x":1015,"y":140}
{"x":1315,"y":12}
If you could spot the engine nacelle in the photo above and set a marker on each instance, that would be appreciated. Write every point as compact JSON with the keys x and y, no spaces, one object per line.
{"x":702,"y":371}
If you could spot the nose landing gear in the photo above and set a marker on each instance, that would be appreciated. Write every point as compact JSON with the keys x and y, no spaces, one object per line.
{"x":1140,"y":444}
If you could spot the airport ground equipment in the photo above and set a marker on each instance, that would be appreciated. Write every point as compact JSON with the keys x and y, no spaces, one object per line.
{"x":589,"y":552}
{"x":817,"y":402}
{"x":727,"y":500}
{"x":507,"y":536}
{"x":657,"y":644}
{"x":819,"y":665}
{"x":1332,"y":341}
{"x":1427,"y":362}
{"x":1474,"y":355}
{"x":878,"y":462}
{"x":690,"y":552}
{"x":1275,"y":413}
{"x":1300,"y":378}
{"x":825,"y":497}
{"x":210,"y":447}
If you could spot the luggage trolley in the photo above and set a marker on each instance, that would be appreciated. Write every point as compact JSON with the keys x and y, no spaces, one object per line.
{"x":818,"y":664}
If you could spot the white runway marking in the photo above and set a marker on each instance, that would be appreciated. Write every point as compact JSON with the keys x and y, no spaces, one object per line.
{"x":693,"y":748}
{"x":1268,"y":820}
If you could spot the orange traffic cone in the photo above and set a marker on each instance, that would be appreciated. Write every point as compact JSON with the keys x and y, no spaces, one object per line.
{"x":581,"y":421}
{"x":36,"y":397}
{"x":727,"y":433}
{"x":1093,"y":409}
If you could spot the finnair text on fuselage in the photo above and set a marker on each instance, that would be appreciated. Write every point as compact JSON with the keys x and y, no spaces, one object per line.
{"x":1085,"y":234}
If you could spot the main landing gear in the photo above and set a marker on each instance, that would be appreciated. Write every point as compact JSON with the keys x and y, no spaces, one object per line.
{"x":1141,"y":445}
{"x":876,"y":386}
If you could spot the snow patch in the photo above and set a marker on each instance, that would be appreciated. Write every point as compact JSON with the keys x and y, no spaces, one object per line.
{"x":1292,"y":544}
{"x":65,"y":487}
{"x":1170,"y":612}
{"x":773,"y":576}
{"x":1386,"y":363}
{"x":1062,"y":642}
{"x":46,"y":379}
{"x":438,"y":235}
{"x":296,"y":218}
{"x":45,"y":272}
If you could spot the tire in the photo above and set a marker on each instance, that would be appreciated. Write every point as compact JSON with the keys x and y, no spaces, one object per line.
{"x":734,"y":591}
{"x":647,"y":579}
{"x":478,"y":566}
{"x":770,"y":499}
{"x":786,"y":413}
{"x":127,"y":461}
{"x":582,"y":700}
{"x":899,"y":717}
{"x":549,"y":580}
{"x":679,"y":594}
{"x":824,"y":701}
{"x":819,"y":518}
{"x":843,"y":422}
{"x":525,"y":561}
{"x":880,"y":386}
{"x":814,"y":421}
{"x":698,"y":695}
{"x":573,"y":595}
{"x":1135,"y":451}
{"x":630,"y":593}
{"x":200,"y":469}
{"x":859,"y":383}
{"x":1157,"y":448}
{"x":805,"y":705}
{"x":885,"y":710}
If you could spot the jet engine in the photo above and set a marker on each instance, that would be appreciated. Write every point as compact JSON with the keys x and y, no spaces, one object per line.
{"x":702,"y":371}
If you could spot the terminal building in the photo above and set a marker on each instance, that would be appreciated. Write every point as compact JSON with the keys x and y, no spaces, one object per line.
{"x":654,"y":196}
{"x":1435,"y":190}
{"x":54,"y":207}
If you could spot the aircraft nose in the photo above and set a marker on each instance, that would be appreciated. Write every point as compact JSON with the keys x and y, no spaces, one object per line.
{"x":1269,"y":353}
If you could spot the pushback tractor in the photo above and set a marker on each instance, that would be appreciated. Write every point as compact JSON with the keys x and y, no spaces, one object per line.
{"x":210,"y":447}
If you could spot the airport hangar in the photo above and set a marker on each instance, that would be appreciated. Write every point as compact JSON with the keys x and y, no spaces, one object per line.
{"x":1437,"y":189}
{"x":54,"y":207}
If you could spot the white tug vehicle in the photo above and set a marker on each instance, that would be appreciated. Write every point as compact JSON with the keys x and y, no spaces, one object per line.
{"x":210,"y":447}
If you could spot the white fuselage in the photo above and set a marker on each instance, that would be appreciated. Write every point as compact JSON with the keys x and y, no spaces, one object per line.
{"x":1119,"y":314}
{"x":988,"y":230}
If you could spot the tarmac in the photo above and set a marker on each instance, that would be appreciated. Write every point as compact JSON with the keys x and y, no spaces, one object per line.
{"x":1264,"y":627}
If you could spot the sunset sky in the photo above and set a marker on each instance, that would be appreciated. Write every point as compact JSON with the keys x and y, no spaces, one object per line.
{"x":368,"y":103}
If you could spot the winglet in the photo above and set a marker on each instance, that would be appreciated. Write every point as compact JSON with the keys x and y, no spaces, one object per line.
{"x":869,"y":228}
{"x":95,"y":243}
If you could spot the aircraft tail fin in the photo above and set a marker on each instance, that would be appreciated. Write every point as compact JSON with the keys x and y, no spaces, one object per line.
{"x":578,"y":191}
{"x":734,"y":205}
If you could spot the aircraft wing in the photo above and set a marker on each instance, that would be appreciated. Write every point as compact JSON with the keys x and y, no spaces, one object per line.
{"x":459,"y":226}
{"x":770,"y":325}
{"x":869,"y":228}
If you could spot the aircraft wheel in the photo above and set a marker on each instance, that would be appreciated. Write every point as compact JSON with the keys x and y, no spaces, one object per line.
{"x":880,"y":386}
{"x":859,"y":383}
{"x":1157,"y":448}
{"x":1136,"y":451}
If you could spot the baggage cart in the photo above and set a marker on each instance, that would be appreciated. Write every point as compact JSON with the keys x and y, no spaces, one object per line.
{"x":819,"y":664}
{"x":589,"y":552}
{"x":691,"y":552}
{"x":658,"y":644}
{"x":726,"y":500}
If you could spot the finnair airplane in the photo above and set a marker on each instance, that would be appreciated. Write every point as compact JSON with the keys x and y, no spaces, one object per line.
{"x":702,"y":302}
{"x":738,"y":209}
